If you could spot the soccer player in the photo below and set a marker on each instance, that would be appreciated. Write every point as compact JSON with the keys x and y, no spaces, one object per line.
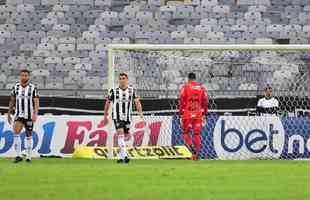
{"x":122,"y":98}
{"x":24,"y":104}
{"x":268,"y":105}
{"x":193,"y":108}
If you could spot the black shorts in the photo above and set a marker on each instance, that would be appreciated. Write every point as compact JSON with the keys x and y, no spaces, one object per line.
{"x":28,"y":123}
{"x":122,"y":124}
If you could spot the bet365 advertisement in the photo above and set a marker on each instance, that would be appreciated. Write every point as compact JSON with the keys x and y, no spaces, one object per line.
{"x":223,"y":137}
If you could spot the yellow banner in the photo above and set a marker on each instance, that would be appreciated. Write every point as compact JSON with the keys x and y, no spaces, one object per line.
{"x":143,"y":152}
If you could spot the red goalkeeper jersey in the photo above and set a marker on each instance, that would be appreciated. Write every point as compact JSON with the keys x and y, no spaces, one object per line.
{"x":193,"y":100}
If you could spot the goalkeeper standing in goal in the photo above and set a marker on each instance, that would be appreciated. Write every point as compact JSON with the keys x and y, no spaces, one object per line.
{"x":193,"y":108}
{"x":122,"y":98}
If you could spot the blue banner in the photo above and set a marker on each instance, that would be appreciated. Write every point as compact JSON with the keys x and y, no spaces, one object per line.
{"x":251,"y":137}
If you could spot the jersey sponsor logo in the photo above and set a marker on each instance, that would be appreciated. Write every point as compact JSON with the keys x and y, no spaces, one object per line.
{"x":196,"y":87}
{"x":248,"y":137}
{"x":23,"y":97}
{"x":143,"y":152}
{"x":123,"y":100}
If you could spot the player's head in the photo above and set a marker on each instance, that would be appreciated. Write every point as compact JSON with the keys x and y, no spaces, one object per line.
{"x":24,"y":76}
{"x":123,"y":80}
{"x":268,"y":91}
{"x":191,"y":76}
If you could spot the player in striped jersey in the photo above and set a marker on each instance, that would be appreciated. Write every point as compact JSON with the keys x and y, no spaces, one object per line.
{"x":268,"y":105}
{"x":24,"y":104}
{"x":122,"y":98}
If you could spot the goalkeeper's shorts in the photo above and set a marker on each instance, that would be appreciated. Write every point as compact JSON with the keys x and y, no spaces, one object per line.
{"x":192,"y":123}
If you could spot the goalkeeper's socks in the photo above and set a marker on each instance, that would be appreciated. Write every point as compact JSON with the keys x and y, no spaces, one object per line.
{"x":17,"y":145}
{"x":197,"y":143}
{"x":28,"y":147}
{"x":122,"y":146}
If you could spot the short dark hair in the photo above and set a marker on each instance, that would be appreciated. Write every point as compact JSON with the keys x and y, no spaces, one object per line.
{"x":192,"y":76}
{"x":123,"y":74}
{"x":24,"y":71}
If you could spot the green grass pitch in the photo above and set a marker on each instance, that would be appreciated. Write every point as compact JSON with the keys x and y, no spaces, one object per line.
{"x":69,"y":179}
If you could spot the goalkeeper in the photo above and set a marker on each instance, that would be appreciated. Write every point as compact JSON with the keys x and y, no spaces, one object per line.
{"x":193,"y":108}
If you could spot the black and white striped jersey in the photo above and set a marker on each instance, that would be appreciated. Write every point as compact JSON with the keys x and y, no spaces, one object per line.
{"x":24,"y":105}
{"x":267,"y":106}
{"x":122,"y":101}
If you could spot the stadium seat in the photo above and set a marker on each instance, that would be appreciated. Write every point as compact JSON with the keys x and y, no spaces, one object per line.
{"x":178,"y":34}
{"x":263,"y":41}
{"x":53,"y":60}
{"x":257,"y":8}
{"x":67,"y":40}
{"x":224,"y":9}
{"x":103,"y":3}
{"x":61,"y":27}
{"x":83,"y":66}
{"x":14,"y":2}
{"x":28,"y":47}
{"x":41,"y":53}
{"x":298,"y":40}
{"x":36,"y":60}
{"x":79,"y":32}
{"x":208,"y":22}
{"x":209,"y":3}
{"x":191,"y":40}
{"x":54,"y":85}
{"x":46,"y":46}
{"x":71,"y":60}
{"x":121,"y":40}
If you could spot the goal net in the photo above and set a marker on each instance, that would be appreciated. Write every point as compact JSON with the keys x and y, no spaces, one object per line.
{"x":235,"y":77}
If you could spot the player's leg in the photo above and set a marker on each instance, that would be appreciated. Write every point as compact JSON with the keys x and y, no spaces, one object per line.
{"x":119,"y":125}
{"x":29,"y":129}
{"x":126,"y":132}
{"x":186,"y":134}
{"x":17,"y":128}
{"x":197,"y":124}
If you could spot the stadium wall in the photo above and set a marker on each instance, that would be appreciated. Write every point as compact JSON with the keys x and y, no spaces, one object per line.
{"x":237,"y":106}
{"x":83,"y":106}
{"x":224,"y":137}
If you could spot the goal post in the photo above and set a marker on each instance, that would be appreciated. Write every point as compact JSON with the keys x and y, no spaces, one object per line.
{"x":235,"y":76}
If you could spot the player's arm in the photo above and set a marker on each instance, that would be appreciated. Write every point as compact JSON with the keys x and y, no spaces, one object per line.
{"x":108,"y":101}
{"x":259,"y":108}
{"x":11,"y":108}
{"x":106,"y":107}
{"x":138,"y":104}
{"x":205,"y":103}
{"x":276,"y":107}
{"x":36,"y":108}
{"x":11,"y":105}
{"x":182,"y":101}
